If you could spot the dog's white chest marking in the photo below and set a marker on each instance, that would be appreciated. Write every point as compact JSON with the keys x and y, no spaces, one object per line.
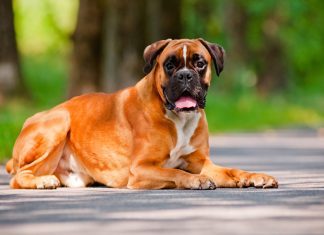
{"x":186,"y":124}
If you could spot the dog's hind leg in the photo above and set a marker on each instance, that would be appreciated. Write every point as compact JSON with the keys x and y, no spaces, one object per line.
{"x":38,"y":150}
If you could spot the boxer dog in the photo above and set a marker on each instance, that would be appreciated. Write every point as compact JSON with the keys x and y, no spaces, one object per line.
{"x":150,"y":136}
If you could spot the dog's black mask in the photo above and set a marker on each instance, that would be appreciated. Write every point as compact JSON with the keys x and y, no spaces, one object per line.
{"x":185,"y":90}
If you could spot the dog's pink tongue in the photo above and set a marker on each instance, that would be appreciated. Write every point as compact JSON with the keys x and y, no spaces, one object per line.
{"x":185,"y":102}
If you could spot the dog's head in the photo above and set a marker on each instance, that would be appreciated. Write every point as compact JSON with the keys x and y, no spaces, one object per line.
{"x":183,"y":71}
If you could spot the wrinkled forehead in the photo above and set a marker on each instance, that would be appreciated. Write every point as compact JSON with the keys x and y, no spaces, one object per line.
{"x":184,"y":48}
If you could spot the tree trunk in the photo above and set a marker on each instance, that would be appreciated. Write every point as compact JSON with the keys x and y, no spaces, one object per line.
{"x":170,"y":19}
{"x":86,"y":55}
{"x":163,"y":20}
{"x":272,"y":73}
{"x":267,"y":61}
{"x":129,"y":26}
{"x":110,"y":38}
{"x":236,"y":29}
{"x":10,"y":77}
{"x":123,"y":43}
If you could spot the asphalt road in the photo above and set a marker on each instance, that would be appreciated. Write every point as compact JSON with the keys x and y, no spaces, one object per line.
{"x":296,"y":207}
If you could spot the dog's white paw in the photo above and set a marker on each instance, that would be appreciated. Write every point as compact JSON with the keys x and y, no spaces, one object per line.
{"x":257,"y":180}
{"x":47,"y":182}
{"x":202,"y":182}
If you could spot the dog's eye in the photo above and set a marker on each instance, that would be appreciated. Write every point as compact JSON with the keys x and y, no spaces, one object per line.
{"x":200,"y":64}
{"x":169,"y":66}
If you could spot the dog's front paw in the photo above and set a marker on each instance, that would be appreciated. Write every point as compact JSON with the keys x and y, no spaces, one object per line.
{"x":257,"y":180}
{"x":202,"y":182}
{"x":47,"y":182}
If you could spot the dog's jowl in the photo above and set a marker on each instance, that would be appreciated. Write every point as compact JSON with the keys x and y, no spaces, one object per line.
{"x":150,"y":136}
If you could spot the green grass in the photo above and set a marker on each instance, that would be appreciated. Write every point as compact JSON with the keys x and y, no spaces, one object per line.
{"x":46,"y":78}
{"x":248,"y":112}
{"x":11,"y":119}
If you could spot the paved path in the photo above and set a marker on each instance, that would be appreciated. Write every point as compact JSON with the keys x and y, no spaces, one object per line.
{"x":297,"y":207}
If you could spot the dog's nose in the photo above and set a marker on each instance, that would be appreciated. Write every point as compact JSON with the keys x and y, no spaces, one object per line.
{"x":184,"y":76}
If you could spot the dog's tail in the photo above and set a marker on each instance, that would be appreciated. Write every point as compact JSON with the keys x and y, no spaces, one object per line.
{"x":9,"y":167}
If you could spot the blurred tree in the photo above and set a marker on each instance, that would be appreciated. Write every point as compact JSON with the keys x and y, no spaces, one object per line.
{"x":10,"y":76}
{"x":253,"y":34}
{"x":124,"y":28}
{"x":86,"y":55}
{"x":302,"y":35}
{"x":129,"y":26}
{"x":110,"y":38}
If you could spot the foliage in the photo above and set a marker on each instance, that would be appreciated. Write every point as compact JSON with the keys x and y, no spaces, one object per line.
{"x":44,"y":26}
{"x":296,"y":24}
{"x":44,"y":30}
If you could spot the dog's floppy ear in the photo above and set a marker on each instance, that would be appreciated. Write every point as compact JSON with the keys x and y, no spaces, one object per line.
{"x":151,"y":52}
{"x":217,"y":53}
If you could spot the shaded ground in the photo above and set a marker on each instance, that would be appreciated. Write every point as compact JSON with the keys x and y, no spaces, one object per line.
{"x":297,"y":207}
